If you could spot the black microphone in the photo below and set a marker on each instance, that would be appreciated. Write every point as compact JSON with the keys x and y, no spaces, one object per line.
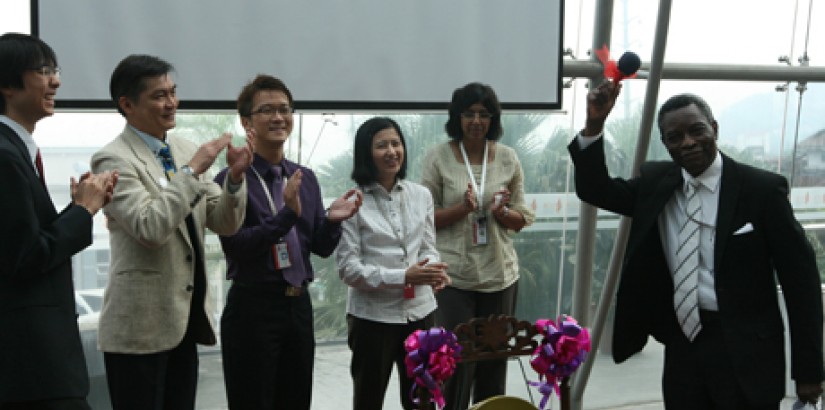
{"x":628,"y":64}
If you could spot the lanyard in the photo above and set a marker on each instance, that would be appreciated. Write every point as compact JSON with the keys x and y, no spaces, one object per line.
{"x":478,"y":188}
{"x":398,"y":235}
{"x":266,"y":189}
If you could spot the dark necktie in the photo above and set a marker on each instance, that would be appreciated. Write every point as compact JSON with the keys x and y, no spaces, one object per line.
{"x":295,"y":274}
{"x":38,"y":163}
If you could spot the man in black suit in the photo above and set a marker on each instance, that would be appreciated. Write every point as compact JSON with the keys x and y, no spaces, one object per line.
{"x":718,"y":316}
{"x":41,"y":357}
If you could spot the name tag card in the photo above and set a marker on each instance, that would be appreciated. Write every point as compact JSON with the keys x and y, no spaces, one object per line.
{"x":480,"y":231}
{"x":280,"y":252}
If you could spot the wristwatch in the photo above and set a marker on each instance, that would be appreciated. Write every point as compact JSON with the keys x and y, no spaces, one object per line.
{"x":505,"y":211}
{"x":186,"y":169}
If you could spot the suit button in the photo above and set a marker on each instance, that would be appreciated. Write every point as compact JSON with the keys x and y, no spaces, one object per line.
{"x":189,"y":288}
{"x":189,"y":258}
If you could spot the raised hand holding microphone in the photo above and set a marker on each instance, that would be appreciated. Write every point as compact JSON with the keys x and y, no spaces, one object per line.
{"x":600,"y":102}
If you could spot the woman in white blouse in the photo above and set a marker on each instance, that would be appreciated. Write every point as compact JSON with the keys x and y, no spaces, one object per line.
{"x":388,"y":258}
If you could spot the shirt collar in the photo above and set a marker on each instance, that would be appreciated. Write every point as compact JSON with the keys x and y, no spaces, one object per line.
{"x":375,"y":186}
{"x":23,"y":134}
{"x":710,"y":178}
{"x":264,"y":167}
{"x":153,"y":143}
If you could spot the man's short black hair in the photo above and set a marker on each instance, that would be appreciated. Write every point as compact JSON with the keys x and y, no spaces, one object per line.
{"x":681,"y":101}
{"x":18,"y":54}
{"x":262,"y":82}
{"x":130,"y":75}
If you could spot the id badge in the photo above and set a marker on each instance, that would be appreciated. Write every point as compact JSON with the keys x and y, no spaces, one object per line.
{"x":280,"y":252}
{"x":409,"y":292}
{"x":480,"y":231}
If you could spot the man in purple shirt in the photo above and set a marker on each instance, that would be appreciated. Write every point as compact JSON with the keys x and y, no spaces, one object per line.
{"x":267,"y":337}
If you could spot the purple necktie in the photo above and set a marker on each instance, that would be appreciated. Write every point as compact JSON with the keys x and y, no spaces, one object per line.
{"x":295,"y":274}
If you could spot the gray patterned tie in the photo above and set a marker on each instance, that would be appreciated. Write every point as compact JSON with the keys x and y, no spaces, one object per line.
{"x":686,"y":276}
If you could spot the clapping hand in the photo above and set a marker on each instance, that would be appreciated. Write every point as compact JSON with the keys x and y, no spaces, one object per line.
{"x":239,"y":159}
{"x":206,"y":153}
{"x":345,"y":206}
{"x":470,"y":202}
{"x":425,"y":273}
{"x":292,"y":192}
{"x":500,"y":199}
{"x":93,"y":191}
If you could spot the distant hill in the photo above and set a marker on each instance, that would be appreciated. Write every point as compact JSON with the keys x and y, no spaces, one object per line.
{"x":757,"y":119}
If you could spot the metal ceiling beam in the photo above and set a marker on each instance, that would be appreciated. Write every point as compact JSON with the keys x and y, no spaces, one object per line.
{"x":708,"y":72}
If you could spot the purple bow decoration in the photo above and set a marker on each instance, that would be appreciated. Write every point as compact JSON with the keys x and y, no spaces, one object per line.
{"x":563,"y":348}
{"x":431,"y":359}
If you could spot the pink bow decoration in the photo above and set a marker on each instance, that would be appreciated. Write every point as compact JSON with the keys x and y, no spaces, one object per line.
{"x":431,"y":359}
{"x":563,"y":348}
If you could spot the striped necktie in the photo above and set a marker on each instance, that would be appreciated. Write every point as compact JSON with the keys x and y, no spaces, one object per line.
{"x":686,"y":276}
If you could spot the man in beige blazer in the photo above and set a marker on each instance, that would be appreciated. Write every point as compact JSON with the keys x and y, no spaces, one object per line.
{"x":155,"y":307}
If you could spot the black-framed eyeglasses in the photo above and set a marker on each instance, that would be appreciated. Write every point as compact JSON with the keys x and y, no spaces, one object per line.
{"x":471,"y":115}
{"x":47,"y":70}
{"x":271,"y":110}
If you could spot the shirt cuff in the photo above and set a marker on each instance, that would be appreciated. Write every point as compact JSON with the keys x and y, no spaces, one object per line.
{"x":395,"y":277}
{"x":585,"y":142}
{"x":231,"y":186}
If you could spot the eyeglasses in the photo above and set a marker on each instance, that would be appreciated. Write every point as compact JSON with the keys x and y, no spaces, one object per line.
{"x":271,"y":110}
{"x":47,"y":70}
{"x":471,"y":115}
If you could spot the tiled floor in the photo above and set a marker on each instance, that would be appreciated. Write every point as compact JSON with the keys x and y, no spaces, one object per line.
{"x":633,"y":385}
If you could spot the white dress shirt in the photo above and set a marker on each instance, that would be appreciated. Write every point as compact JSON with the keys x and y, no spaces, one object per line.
{"x":673,"y":215}
{"x":391,"y":231}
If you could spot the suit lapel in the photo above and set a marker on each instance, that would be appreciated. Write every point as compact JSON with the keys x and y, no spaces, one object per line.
{"x":141,"y":151}
{"x":650,"y":209}
{"x":152,"y":167}
{"x":729,"y":191}
{"x":18,"y":143}
{"x":15,"y":140}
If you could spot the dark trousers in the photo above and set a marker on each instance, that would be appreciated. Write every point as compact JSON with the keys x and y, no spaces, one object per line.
{"x":56,"y":404}
{"x":487,"y":378}
{"x":268,"y":348}
{"x":699,"y":375}
{"x":165,"y":380}
{"x":376,"y":347}
{"x":156,"y":381}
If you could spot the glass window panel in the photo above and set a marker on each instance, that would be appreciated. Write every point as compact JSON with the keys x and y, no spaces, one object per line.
{"x":775,"y":130}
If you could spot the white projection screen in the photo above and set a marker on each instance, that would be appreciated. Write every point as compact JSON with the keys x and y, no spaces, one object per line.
{"x":333,"y":54}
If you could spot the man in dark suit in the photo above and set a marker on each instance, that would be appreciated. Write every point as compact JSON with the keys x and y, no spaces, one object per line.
{"x":41,"y":357}
{"x":718,"y":315}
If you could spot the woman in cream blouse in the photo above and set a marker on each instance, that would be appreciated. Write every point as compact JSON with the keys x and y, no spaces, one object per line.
{"x":478,"y":192}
